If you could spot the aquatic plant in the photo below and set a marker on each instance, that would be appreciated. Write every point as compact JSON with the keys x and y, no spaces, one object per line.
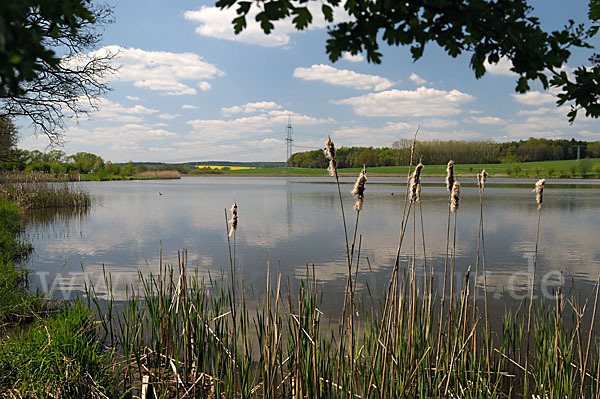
{"x":234,"y":219}
{"x":359,"y":189}
{"x":450,"y":175}
{"x":415,"y":182}
{"x":455,"y":196}
{"x":330,"y":154}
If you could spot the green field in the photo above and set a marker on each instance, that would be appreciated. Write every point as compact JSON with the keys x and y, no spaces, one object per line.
{"x":588,"y":168}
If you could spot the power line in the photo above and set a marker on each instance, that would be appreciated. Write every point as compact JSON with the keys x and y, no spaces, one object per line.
{"x":289,"y":141}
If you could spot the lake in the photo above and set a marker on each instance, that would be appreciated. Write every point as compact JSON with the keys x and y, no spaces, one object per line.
{"x":297,"y":222}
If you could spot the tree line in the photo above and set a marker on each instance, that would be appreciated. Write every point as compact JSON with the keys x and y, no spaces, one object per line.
{"x":436,"y":152}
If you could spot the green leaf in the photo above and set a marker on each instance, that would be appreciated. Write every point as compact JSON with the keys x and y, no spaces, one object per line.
{"x":594,"y":10}
{"x":522,"y":85}
{"x":265,"y":24}
{"x":243,"y":7}
{"x":225,"y":3}
{"x":303,"y":17}
{"x":327,"y":13}
{"x":239,"y":24}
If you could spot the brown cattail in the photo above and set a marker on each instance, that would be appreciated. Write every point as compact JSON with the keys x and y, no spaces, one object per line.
{"x":330,"y":154}
{"x":483,"y":179}
{"x":450,"y":175}
{"x":419,"y":192}
{"x":415,"y":182}
{"x":454,"y":197}
{"x":539,"y":191}
{"x":234,"y":219}
{"x":359,"y":189}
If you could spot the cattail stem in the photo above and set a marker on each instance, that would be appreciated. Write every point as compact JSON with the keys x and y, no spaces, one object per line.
{"x":537,"y":238}
{"x":485,"y":293}
{"x":393,"y":283}
{"x":330,"y":154}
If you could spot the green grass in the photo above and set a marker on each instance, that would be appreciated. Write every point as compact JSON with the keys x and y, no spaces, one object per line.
{"x":567,"y":168}
{"x":57,"y":357}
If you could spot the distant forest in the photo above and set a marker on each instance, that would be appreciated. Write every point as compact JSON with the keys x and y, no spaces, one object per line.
{"x":439,"y":152}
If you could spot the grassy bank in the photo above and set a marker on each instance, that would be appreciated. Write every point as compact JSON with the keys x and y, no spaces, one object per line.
{"x":563,"y":169}
{"x":56,"y":357}
{"x":147,"y":175}
{"x":15,"y":302}
{"x":44,"y":353}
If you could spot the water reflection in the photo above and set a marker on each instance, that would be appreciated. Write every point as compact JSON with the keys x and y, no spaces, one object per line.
{"x":298,"y":220}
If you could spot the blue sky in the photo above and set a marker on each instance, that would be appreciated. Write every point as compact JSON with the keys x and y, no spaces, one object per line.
{"x":188,"y":89}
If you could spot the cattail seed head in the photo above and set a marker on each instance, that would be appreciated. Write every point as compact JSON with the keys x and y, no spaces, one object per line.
{"x":483,"y":178}
{"x":332,"y":168}
{"x":359,"y":189}
{"x":329,"y":149}
{"x":234,"y":219}
{"x":330,"y":154}
{"x":415,"y":182}
{"x":539,"y":191}
{"x":450,"y":175}
{"x":455,"y":196}
{"x":419,"y":192}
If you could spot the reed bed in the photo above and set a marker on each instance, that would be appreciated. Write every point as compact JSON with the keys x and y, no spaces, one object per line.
{"x":40,"y":195}
{"x":182,"y":336}
{"x":14,"y":177}
{"x":158,"y":174}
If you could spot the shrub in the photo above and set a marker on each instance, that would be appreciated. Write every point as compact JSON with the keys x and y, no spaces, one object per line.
{"x":584,"y":166}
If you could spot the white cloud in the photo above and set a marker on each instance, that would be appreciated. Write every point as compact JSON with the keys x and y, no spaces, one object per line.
{"x":436,"y":123}
{"x":588,"y":134}
{"x":501,"y":68}
{"x":343,"y":77}
{"x":417,"y":79}
{"x":216,"y":23}
{"x":534,"y":98}
{"x":250,"y":108}
{"x":133,"y":98}
{"x":189,"y":106}
{"x":487,"y":120}
{"x":167,"y":116}
{"x":111,"y":111}
{"x":421,"y":102}
{"x":161,"y":133}
{"x":387,"y":134}
{"x":353,"y":58}
{"x":263,"y":118}
{"x":204,"y":86}
{"x":161,"y":71}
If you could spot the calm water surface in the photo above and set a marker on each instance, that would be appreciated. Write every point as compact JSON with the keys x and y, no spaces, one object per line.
{"x":298,"y":222}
